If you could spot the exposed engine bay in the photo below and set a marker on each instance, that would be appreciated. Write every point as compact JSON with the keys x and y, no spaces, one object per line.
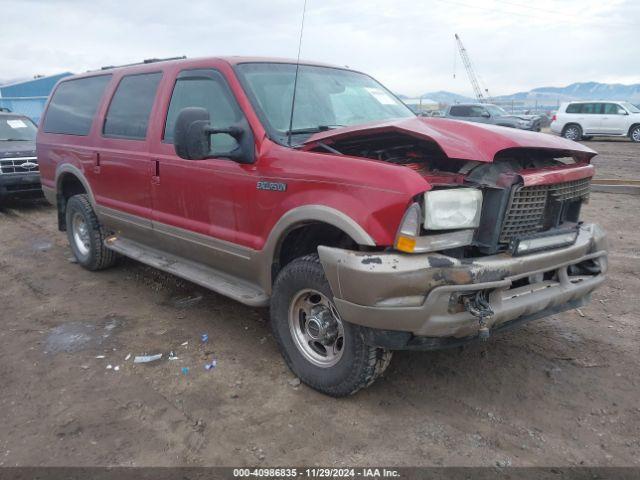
{"x":428,"y":159}
{"x":512,"y":208}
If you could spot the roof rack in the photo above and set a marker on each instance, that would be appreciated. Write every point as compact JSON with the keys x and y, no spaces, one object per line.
{"x":145,"y":61}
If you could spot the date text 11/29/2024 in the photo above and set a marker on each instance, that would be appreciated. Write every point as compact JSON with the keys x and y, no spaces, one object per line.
{"x":315,"y":473}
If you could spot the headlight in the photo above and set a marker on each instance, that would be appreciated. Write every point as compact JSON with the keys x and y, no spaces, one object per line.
{"x":524,"y":123}
{"x":452,"y":208}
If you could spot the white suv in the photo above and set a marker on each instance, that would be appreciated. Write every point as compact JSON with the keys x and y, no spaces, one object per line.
{"x":583,"y":120}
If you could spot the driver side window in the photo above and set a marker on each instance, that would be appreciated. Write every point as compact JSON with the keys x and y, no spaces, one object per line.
{"x":477,"y":111}
{"x":205,"y":89}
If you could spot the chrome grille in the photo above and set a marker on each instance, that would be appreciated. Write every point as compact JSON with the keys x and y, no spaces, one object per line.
{"x":528,"y":206}
{"x":18,"y":165}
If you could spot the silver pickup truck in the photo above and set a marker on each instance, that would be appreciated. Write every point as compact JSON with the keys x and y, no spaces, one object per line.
{"x":487,"y":113}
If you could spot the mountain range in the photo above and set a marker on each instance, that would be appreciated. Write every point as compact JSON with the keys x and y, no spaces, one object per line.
{"x":553,"y":95}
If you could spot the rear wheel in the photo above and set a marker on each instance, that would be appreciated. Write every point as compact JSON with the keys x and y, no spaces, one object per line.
{"x":324,"y":351}
{"x":86,"y":236}
{"x":572,"y":132}
{"x":634,"y":134}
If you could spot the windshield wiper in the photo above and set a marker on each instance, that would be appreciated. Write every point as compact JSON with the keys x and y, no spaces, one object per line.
{"x":319,"y":128}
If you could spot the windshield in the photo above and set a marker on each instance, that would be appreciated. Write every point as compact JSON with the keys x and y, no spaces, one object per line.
{"x":325,"y":98}
{"x":496,"y":111}
{"x":630,"y":107}
{"x":16,"y":129}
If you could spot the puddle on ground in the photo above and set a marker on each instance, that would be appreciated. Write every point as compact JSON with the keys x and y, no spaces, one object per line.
{"x":77,"y":336}
{"x":70,"y":337}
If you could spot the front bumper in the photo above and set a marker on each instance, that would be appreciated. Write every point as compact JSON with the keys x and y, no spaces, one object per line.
{"x":421,"y":294}
{"x":532,"y":127}
{"x":20,"y":184}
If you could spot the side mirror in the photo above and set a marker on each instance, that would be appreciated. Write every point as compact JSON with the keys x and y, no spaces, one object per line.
{"x":485,"y":115}
{"x":192,"y":134}
{"x":622,"y":111}
{"x":190,"y":137}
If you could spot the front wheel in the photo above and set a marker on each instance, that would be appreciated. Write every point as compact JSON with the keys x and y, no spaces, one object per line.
{"x":572,"y":132}
{"x":634,"y":134}
{"x":324,"y":351}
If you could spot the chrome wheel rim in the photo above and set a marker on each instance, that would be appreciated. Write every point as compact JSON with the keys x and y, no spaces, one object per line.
{"x":571,"y":133}
{"x":80,"y":232}
{"x":636,"y":135}
{"x":316,"y":328}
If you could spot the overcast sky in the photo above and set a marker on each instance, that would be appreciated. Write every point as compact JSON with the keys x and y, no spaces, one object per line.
{"x":406,"y":44}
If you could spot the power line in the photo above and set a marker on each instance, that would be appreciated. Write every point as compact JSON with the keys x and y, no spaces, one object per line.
{"x":555,"y":12}
{"x":566,"y":17}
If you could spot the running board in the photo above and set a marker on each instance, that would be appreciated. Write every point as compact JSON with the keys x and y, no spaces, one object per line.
{"x":222,"y":283}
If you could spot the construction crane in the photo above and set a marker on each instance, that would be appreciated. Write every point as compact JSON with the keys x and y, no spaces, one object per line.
{"x":480,"y":96}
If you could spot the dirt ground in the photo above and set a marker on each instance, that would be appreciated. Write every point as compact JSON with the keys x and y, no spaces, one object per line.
{"x":560,"y":391}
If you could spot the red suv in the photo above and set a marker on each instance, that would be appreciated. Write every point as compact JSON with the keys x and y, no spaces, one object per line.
{"x":365,"y":228}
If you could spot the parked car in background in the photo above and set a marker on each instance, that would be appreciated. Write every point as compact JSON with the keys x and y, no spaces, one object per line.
{"x":487,"y":113}
{"x":584,"y":120}
{"x":365,"y":228}
{"x":19,"y":175}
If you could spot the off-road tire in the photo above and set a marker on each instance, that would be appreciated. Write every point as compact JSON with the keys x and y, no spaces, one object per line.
{"x":566,"y":132}
{"x":99,"y":257}
{"x":360,"y":363}
{"x":634,"y":134}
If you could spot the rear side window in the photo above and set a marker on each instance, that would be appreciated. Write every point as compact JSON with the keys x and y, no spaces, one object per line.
{"x":205,"y":89}
{"x":459,"y":111}
{"x":591,"y":108}
{"x":574,"y":108}
{"x":74,"y":104}
{"x":130,"y":108}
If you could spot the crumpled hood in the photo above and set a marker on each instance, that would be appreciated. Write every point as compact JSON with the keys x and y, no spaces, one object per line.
{"x":461,"y":140}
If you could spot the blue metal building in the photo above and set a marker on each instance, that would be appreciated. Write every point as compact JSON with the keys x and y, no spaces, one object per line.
{"x":28,"y":97}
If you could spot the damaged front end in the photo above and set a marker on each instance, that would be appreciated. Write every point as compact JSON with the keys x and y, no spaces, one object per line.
{"x":425,"y":298}
{"x":495,"y":239}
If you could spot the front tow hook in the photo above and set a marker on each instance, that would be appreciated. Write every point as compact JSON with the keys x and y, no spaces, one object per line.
{"x":478,"y":306}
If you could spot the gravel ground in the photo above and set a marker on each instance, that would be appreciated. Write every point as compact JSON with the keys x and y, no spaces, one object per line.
{"x":560,"y":391}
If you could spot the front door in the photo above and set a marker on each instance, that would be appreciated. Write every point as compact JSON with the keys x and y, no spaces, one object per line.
{"x":479,"y":114}
{"x":614,"y":119}
{"x":196,"y":203}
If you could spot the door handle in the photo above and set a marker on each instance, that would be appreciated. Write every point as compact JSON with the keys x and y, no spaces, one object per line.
{"x":155,"y":174}
{"x":96,"y":162}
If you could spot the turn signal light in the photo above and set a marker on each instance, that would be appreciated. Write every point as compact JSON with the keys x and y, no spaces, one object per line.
{"x":406,"y":244}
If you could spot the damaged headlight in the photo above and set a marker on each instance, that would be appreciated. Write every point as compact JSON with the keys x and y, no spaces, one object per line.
{"x":453,"y":208}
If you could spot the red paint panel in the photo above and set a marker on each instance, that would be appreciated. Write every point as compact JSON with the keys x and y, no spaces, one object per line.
{"x":556,"y":175}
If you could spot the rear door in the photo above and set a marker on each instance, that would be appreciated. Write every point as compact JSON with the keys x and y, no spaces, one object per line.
{"x":122,"y":165}
{"x":591,"y":118}
{"x":459,"y":111}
